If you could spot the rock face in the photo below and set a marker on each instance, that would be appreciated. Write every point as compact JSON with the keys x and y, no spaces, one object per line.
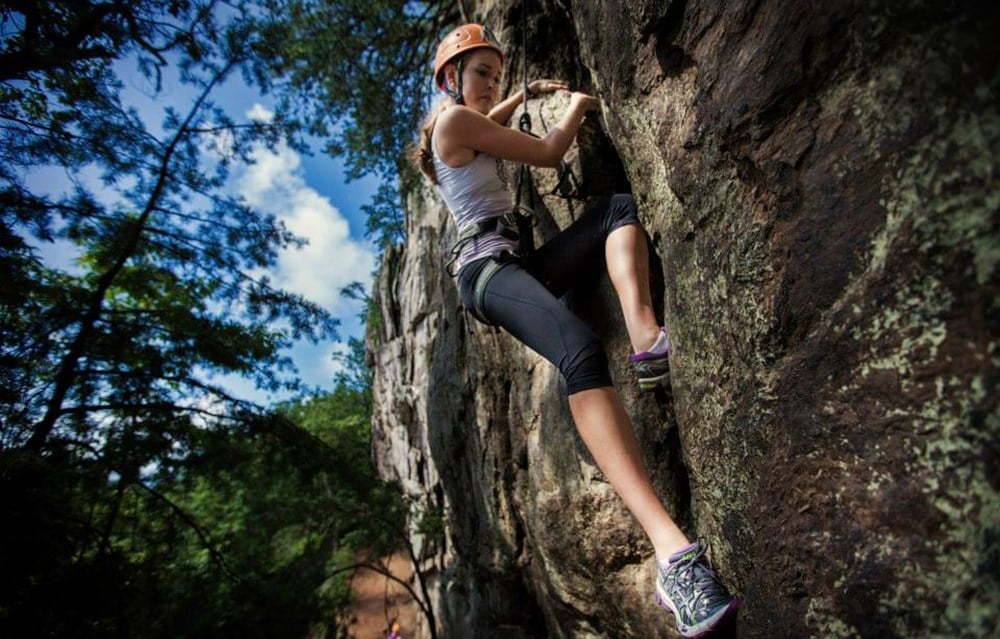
{"x":819,"y":182}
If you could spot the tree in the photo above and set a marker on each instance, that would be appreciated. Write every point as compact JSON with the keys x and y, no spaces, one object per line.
{"x":382,"y":520}
{"x":159,"y":261}
{"x":114,"y":437}
{"x":104,"y":365}
{"x":247,"y":533}
{"x":170,"y":282}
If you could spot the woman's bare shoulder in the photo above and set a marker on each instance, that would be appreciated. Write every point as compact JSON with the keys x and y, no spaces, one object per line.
{"x":459,"y":116}
{"x":453,"y":131}
{"x":462,"y":131}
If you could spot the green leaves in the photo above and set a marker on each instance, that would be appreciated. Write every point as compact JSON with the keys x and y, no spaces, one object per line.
{"x":171,"y":275}
{"x":242,"y":529}
{"x":129,"y":471}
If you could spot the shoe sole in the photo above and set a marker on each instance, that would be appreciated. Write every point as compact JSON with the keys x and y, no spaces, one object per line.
{"x":708,"y":625}
{"x":652,"y":383}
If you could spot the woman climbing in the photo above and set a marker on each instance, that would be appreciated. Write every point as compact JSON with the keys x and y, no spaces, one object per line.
{"x":458,"y":150}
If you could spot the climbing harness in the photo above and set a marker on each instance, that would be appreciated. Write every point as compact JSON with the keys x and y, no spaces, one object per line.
{"x":504,"y":224}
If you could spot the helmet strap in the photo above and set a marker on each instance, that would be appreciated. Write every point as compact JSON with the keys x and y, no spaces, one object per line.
{"x":456,"y":94}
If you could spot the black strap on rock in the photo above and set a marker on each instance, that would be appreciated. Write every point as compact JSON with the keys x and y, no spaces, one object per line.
{"x":567,"y":185}
{"x":524,"y":213}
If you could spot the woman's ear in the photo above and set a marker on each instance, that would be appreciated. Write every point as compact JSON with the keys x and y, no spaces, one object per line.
{"x":451,"y":76}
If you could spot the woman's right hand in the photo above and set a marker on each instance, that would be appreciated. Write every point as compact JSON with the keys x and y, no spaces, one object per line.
{"x":586,"y":102}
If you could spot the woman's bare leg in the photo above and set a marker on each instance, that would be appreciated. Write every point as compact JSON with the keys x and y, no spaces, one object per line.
{"x":628,"y":266}
{"x":607,"y":431}
{"x":599,"y":414}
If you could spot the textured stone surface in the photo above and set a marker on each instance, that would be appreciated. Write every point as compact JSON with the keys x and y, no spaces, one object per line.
{"x":819,"y":181}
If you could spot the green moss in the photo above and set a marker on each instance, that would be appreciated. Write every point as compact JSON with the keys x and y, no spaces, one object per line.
{"x":822,"y":615}
{"x":940,"y":205}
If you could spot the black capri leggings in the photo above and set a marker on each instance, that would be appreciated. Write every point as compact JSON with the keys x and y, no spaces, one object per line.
{"x":523,"y":296}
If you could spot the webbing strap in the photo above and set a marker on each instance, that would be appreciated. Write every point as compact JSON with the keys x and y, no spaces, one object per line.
{"x":479,"y":289}
{"x":524,"y":65}
{"x":524,"y":213}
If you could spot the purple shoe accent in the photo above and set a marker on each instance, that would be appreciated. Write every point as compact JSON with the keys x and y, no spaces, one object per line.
{"x":692,"y":548}
{"x":654,"y":353}
{"x":645,"y":355}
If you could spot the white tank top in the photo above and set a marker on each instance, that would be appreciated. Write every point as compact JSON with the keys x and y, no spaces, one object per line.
{"x":473,"y":193}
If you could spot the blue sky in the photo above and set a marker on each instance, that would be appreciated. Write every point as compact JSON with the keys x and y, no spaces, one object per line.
{"x":308,"y":192}
{"x":312,"y":197}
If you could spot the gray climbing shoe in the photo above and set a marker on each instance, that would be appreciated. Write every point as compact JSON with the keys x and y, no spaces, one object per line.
{"x":691,"y":590}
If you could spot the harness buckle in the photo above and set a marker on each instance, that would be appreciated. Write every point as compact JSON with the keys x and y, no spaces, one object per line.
{"x":507,"y":225}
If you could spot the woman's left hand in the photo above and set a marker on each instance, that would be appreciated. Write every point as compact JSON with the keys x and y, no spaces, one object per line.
{"x":547,"y":86}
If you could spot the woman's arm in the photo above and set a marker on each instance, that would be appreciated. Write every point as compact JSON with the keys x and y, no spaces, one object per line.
{"x":501,"y":113}
{"x":463,"y":128}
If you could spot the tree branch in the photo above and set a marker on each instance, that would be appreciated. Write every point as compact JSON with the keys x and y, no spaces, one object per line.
{"x":67,"y":373}
{"x":385,"y":572}
{"x":184,"y":516}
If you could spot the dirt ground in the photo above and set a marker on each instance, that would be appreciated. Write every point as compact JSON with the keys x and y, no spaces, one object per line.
{"x":380,"y":602}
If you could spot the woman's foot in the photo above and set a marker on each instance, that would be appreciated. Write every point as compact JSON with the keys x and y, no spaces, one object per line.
{"x":653,"y":366}
{"x":690,"y":589}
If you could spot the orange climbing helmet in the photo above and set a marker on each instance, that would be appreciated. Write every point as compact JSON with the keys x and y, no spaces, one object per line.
{"x":462,"y":40}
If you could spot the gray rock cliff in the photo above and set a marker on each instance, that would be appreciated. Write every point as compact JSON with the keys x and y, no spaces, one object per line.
{"x":819,"y":182}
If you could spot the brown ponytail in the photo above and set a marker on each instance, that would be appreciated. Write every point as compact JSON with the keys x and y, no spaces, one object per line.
{"x":420,"y":153}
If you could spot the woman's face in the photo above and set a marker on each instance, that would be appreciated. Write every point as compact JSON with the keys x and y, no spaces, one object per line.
{"x":480,"y":79}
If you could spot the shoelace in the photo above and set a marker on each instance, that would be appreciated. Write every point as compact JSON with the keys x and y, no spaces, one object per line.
{"x":707,"y":592}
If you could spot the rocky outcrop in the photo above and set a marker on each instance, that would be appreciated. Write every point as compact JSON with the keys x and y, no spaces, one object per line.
{"x":819,"y":181}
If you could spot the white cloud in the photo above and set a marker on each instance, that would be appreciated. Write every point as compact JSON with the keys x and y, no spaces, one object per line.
{"x":331,"y":259}
{"x":258,"y":112}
